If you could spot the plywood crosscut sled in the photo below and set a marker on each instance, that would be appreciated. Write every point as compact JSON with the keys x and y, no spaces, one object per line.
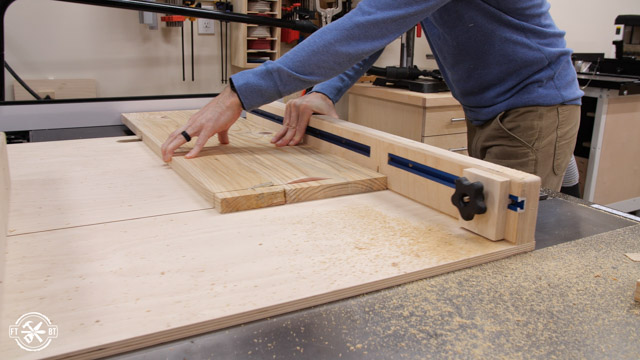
{"x":250,"y":172}
{"x":123,"y":283}
{"x":340,"y":158}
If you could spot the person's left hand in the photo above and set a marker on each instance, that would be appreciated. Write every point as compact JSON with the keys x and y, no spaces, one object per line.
{"x":297,"y":115}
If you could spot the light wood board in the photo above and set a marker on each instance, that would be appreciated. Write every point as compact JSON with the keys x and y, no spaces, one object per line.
{"x":5,"y":182}
{"x":519,"y":225}
{"x":70,"y":183}
{"x":250,"y":172}
{"x":57,"y":89}
{"x":618,"y":170}
{"x":127,"y":284}
{"x":124,"y":285}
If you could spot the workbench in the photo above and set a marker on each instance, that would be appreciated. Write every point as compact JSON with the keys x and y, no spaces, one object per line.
{"x":608,"y":145}
{"x":568,"y":300}
{"x":436,"y":119}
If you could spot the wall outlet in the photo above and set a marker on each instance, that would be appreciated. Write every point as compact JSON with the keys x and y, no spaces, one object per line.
{"x":206,"y":26}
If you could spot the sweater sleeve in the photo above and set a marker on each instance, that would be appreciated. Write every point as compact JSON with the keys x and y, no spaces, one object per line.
{"x":335,"y":87}
{"x":333,"y":49}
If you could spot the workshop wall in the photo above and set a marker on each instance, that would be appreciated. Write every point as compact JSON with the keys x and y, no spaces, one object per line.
{"x":51,"y":39}
{"x":589,"y":23}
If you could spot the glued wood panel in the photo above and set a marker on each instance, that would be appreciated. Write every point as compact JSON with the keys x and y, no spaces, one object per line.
{"x":250,"y":172}
{"x":120,"y":286}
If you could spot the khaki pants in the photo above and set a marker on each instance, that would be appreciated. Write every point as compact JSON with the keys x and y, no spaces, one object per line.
{"x":537,"y":139}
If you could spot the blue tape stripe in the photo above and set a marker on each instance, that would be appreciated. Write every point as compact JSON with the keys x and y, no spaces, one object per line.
{"x":425,"y":171}
{"x":348,"y":144}
{"x":441,"y":177}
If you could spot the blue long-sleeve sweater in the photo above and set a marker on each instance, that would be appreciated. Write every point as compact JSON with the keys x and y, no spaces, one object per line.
{"x":495,"y":55}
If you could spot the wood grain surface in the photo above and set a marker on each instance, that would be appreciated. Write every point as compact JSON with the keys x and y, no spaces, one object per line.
{"x":129,"y":276}
{"x":250,"y":172}
{"x":71,"y":183}
{"x":125,"y":285}
{"x":5,"y":183}
{"x":519,"y":226}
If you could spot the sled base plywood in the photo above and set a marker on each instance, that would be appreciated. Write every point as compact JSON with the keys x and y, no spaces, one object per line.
{"x":126,"y":285}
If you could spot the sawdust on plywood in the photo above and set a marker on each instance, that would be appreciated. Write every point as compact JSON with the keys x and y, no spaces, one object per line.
{"x":573,"y":300}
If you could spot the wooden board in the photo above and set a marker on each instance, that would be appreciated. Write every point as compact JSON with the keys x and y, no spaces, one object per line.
{"x":250,"y":172}
{"x":68,"y":184}
{"x":124,"y":285}
{"x":492,"y":223}
{"x":618,"y":170}
{"x":523,"y":187}
{"x":57,"y":89}
{"x":5,"y":182}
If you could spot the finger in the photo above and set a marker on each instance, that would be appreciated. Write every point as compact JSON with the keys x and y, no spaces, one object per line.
{"x":197,"y":147}
{"x":279,"y":135}
{"x":301,"y":126}
{"x":166,"y":143}
{"x":223,"y":137}
{"x":290,"y":126}
{"x":286,"y":139}
{"x":290,"y":109}
{"x":176,"y":134}
{"x":167,"y":154}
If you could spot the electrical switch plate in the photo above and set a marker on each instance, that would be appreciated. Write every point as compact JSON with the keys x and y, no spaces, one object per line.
{"x":206,"y":26}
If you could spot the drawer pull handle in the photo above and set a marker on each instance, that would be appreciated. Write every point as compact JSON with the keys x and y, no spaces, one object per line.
{"x":458,"y":149}
{"x":457,"y":119}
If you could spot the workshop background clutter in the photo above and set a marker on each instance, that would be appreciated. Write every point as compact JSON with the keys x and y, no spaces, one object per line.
{"x":128,"y":58}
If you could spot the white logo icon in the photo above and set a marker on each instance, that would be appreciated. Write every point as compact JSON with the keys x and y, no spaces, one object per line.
{"x":33,"y":331}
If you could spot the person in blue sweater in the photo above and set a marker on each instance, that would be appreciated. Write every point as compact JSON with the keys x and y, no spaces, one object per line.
{"x":505,"y":61}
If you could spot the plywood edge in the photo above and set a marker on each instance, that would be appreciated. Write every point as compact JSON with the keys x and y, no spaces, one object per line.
{"x":128,"y":119}
{"x":5,"y":187}
{"x":125,"y":118}
{"x":524,"y":188}
{"x":496,"y":190}
{"x":287,"y":307}
{"x":248,"y":199}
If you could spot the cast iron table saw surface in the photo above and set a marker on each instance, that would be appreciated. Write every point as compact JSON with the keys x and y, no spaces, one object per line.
{"x":570,"y":298}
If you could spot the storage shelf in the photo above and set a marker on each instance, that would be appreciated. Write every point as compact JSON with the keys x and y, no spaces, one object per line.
{"x":240,"y":51}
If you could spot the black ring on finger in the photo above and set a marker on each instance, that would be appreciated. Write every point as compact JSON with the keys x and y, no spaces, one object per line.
{"x":186,"y":136}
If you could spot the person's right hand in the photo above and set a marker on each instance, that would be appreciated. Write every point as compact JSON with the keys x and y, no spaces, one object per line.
{"x":297,"y":115}
{"x":214,"y":118}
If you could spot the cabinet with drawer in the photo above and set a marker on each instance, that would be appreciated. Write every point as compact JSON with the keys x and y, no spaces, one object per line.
{"x":435,"y":119}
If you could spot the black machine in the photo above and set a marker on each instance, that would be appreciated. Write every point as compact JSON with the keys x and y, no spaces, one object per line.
{"x":408,"y":76}
{"x":620,"y":73}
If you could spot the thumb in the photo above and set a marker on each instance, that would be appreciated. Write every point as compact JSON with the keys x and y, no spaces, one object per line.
{"x":223,"y":137}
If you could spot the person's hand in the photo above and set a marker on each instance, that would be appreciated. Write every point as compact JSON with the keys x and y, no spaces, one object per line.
{"x":214,"y":118}
{"x":297,"y":115}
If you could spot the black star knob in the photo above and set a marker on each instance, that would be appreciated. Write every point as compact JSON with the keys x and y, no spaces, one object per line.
{"x":469,"y":198}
